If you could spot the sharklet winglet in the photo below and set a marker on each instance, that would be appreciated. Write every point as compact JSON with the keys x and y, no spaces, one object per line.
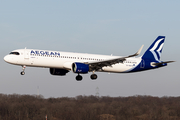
{"x":138,"y":52}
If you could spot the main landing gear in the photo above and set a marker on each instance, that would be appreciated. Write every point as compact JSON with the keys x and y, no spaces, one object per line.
{"x":23,"y":68}
{"x":93,"y":76}
{"x":79,"y":77}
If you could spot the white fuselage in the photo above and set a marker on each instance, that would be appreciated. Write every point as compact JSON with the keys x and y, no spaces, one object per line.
{"x":64,"y":60}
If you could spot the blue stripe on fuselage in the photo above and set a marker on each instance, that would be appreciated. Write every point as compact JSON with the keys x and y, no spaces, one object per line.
{"x":143,"y":65}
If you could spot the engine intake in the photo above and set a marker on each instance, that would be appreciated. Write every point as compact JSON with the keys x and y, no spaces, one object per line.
{"x":80,"y":68}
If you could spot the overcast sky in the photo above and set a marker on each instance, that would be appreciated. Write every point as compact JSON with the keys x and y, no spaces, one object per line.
{"x":117,"y":27}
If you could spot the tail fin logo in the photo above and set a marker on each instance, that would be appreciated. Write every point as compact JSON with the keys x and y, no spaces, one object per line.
{"x":157,"y":49}
{"x":154,"y":51}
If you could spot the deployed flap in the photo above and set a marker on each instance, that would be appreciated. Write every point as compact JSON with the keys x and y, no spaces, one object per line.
{"x":99,"y":64}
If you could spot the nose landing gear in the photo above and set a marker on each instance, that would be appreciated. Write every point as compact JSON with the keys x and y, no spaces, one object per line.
{"x":23,"y":68}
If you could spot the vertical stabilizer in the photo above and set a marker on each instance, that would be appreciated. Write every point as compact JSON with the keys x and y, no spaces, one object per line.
{"x":155,"y":50}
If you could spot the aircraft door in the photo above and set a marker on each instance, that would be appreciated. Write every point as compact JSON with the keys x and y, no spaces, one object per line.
{"x":26,"y":54}
{"x":142,"y":64}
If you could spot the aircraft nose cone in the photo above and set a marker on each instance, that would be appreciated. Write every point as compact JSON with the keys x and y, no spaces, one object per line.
{"x":6,"y":58}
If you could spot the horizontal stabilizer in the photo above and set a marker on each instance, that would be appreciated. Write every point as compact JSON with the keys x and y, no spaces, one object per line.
{"x":161,"y":63}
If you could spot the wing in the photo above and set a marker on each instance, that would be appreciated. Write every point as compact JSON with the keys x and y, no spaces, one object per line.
{"x":95,"y":66}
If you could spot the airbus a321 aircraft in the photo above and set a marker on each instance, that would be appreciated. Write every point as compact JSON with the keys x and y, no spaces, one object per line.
{"x":60,"y":63}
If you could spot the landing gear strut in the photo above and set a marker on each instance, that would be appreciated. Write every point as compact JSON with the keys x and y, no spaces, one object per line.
{"x":23,"y":68}
{"x":78,"y":77}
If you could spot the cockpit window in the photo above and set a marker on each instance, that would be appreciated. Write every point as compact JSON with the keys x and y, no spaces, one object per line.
{"x":14,"y":53}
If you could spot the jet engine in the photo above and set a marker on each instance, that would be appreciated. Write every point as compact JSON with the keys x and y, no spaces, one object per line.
{"x":80,"y":68}
{"x":55,"y":71}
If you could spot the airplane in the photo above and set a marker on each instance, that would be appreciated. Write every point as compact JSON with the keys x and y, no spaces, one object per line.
{"x":60,"y":63}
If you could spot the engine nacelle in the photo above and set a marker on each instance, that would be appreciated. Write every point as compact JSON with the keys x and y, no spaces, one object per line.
{"x":55,"y":71}
{"x":80,"y":68}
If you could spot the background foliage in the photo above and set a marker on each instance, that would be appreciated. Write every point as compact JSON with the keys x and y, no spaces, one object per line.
{"x":26,"y":107}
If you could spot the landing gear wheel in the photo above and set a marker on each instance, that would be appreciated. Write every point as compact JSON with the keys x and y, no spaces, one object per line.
{"x":22,"y":73}
{"x":93,"y":76}
{"x":78,"y":77}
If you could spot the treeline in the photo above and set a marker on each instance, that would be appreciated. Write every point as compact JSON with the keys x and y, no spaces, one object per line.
{"x":27,"y":107}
